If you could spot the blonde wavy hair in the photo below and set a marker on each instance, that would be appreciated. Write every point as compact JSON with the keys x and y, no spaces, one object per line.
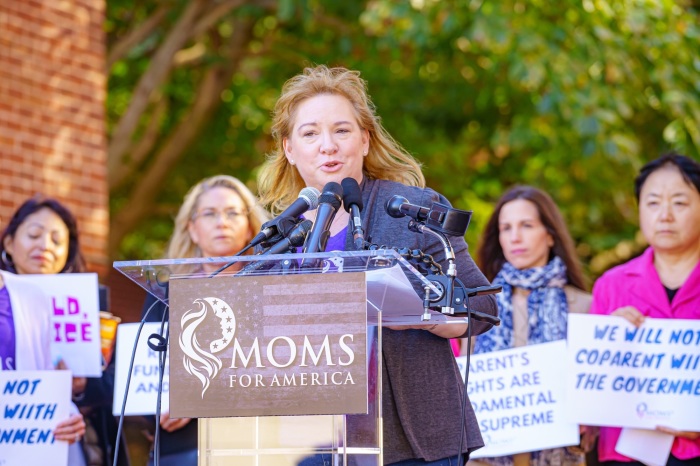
{"x":279,"y":182}
{"x":181,"y":245}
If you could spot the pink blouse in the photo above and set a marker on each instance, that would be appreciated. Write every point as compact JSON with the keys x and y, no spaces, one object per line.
{"x":636,"y":283}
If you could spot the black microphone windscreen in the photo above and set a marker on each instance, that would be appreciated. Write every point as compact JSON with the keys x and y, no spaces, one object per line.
{"x":300,"y":234}
{"x":351,"y":193}
{"x":333,"y":187}
{"x":332,"y":194}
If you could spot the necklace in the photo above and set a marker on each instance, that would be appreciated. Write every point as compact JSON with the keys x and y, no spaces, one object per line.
{"x":339,"y":222}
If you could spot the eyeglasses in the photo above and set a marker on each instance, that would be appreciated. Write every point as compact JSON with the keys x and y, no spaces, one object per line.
{"x":212,"y":216}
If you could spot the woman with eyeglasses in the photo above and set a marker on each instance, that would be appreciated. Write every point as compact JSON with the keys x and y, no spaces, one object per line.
{"x":218,"y":218}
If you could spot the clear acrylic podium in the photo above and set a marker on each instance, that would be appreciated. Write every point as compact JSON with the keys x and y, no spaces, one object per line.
{"x":304,"y":440}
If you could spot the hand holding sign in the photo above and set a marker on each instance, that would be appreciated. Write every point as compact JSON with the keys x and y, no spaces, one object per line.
{"x":679,"y":433}
{"x":172,"y":424}
{"x":71,"y":430}
{"x":630,"y":313}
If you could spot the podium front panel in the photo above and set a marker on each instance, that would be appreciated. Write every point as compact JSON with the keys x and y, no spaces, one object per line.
{"x":268,"y":345}
{"x":330,"y":440}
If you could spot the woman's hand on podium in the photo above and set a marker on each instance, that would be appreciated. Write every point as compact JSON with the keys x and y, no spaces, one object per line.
{"x":172,"y":424}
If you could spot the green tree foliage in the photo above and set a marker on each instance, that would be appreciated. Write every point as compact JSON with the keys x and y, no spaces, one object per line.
{"x":569,"y":96}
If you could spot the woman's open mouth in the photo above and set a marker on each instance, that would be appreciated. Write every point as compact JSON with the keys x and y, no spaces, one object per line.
{"x":331,"y":166}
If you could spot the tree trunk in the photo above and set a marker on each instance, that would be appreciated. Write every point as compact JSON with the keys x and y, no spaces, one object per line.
{"x":218,"y":78}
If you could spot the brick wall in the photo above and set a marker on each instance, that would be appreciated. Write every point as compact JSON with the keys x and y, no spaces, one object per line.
{"x":52,"y":98}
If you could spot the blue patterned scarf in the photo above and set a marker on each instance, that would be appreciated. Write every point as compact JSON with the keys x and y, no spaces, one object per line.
{"x":546,"y":306}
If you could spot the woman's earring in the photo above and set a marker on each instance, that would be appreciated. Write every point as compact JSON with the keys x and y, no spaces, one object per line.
{"x":5,"y":260}
{"x":291,"y":161}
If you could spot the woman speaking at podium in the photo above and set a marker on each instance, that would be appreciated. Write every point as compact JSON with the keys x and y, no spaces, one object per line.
{"x":326,"y":129}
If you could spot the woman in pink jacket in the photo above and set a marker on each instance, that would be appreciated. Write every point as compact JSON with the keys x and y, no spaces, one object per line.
{"x":664,"y":282}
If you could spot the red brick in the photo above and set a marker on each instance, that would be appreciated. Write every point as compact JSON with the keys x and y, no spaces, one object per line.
{"x":52,"y":94}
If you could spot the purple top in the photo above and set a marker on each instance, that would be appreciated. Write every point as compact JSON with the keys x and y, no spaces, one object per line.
{"x":337,"y":242}
{"x":7,"y":332}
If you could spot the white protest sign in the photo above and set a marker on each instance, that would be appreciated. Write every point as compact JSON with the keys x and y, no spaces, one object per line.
{"x":75,"y":321}
{"x":143,"y":387}
{"x":518,"y":397}
{"x":31,"y":405}
{"x":621,"y":375}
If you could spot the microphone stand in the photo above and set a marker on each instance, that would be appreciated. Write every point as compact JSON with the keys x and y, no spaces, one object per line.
{"x":290,"y":225}
{"x":452,"y":292}
{"x":445,"y":283}
{"x":229,"y":264}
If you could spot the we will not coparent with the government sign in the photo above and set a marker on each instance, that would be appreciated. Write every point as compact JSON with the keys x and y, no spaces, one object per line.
{"x":626,"y":376}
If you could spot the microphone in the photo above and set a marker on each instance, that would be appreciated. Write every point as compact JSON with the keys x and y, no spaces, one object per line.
{"x":441,"y":218}
{"x":284,"y":223}
{"x":328,"y":205}
{"x":295,"y":238}
{"x":352,"y":201}
{"x":398,"y":206}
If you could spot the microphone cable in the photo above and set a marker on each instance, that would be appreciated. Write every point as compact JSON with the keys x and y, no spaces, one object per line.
{"x":465,"y":395}
{"x":162,"y":348}
{"x":120,"y":427}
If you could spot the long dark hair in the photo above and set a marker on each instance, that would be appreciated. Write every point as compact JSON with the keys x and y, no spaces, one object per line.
{"x":490,"y":255}
{"x":75,"y":263}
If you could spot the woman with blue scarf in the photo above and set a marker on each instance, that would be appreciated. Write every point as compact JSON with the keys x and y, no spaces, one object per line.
{"x":528,"y":250}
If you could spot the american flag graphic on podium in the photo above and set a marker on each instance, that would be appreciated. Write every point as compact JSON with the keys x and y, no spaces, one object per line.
{"x":268,"y":345}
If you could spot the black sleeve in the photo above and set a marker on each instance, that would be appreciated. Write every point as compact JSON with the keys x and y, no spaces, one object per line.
{"x":99,"y":391}
{"x":157,"y":312}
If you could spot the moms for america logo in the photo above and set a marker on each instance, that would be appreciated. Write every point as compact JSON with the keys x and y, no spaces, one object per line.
{"x":199,"y":361}
{"x":272,"y":345}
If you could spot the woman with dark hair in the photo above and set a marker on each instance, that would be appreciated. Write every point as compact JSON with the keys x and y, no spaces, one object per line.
{"x":41,"y":220}
{"x":526,"y":247}
{"x":42,"y":238}
{"x":662,"y":283}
